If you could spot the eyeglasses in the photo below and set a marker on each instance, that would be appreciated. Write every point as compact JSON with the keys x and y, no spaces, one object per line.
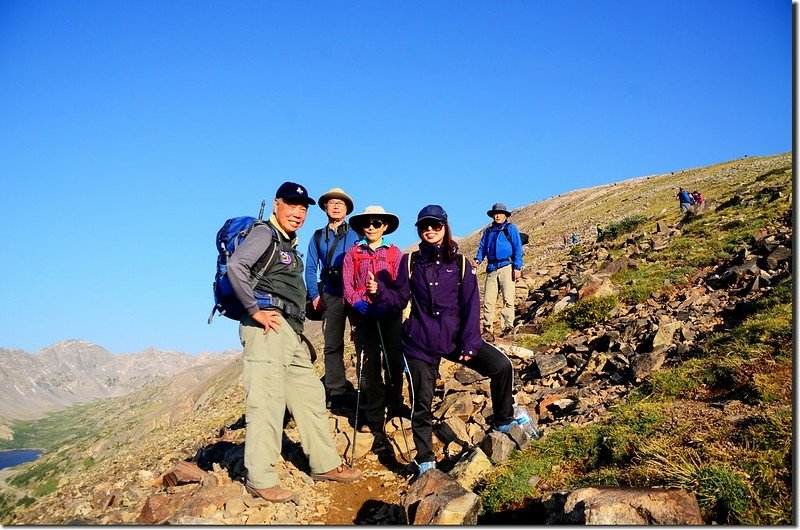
{"x":335,"y":202}
{"x":374,"y":223}
{"x":433,"y":225}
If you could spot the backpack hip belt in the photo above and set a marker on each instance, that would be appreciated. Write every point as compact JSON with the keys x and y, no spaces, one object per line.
{"x":269,"y":300}
{"x":499,"y":261}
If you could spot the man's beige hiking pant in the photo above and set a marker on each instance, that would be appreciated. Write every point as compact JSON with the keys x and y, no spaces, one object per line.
{"x":278,"y":374}
{"x":501,"y":280}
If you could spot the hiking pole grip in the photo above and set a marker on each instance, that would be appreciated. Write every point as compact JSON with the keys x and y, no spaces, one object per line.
{"x":261,"y":211}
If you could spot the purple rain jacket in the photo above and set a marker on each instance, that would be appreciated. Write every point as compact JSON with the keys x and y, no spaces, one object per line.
{"x":444,"y":319}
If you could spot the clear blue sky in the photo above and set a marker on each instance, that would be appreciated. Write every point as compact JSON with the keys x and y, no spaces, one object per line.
{"x":129,"y":131}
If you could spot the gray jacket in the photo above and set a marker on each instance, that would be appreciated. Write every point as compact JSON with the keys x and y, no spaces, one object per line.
{"x":284,"y":277}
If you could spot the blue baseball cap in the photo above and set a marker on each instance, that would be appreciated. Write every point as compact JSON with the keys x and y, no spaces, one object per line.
{"x":293,"y":192}
{"x":432,"y":212}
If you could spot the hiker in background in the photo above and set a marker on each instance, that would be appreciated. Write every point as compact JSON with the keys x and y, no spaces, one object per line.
{"x":326,"y":252}
{"x":277,"y":371}
{"x":376,"y":331}
{"x":501,"y":246}
{"x":444,"y":323}
{"x":698,"y":198}
{"x":575,"y":239}
{"x":684,"y":199}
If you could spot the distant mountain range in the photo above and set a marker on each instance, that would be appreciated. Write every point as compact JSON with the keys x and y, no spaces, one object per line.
{"x":77,"y":371}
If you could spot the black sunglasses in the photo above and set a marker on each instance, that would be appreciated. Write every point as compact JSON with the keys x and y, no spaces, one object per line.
{"x":374,"y":223}
{"x":433,"y":225}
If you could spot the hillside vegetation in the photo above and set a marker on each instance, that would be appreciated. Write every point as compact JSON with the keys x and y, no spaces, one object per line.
{"x":718,"y":420}
{"x":715,"y":420}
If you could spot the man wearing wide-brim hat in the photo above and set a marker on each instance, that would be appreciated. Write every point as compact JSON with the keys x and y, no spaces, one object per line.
{"x":501,"y":245}
{"x":323,"y":275}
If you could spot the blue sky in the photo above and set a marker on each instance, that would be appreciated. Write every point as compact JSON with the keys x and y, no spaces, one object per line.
{"x":129,"y":131}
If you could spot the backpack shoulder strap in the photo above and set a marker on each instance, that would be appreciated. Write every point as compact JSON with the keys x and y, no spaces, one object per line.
{"x":266,"y":260}
{"x":394,"y":255}
{"x":410,"y":262}
{"x":317,"y":238}
{"x":507,"y":233}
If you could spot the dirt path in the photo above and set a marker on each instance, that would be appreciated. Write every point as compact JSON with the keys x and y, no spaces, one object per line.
{"x":375,"y":499}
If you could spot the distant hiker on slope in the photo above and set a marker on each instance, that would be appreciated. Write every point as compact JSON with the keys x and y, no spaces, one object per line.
{"x":376,"y":330}
{"x":277,"y":371}
{"x":444,"y":323}
{"x":326,"y":252}
{"x":684,"y":199}
{"x":502,"y":247}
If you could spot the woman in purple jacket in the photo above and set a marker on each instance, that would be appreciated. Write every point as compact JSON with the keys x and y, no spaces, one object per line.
{"x":444,"y":322}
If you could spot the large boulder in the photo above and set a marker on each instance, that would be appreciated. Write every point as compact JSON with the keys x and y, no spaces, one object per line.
{"x":436,"y":498}
{"x":627,"y":506}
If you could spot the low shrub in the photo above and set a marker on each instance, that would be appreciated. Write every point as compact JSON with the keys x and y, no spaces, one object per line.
{"x":588,"y":312}
{"x":623,"y":226}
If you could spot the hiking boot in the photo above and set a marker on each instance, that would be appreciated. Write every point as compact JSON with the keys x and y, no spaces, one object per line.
{"x":401,"y":411}
{"x":374,"y":427}
{"x":341,"y":401}
{"x":275,"y":493}
{"x":339,"y":474}
{"x":488,"y":336}
{"x":425,"y":466}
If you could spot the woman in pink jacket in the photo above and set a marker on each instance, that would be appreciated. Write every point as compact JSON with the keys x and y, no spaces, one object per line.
{"x":376,"y":331}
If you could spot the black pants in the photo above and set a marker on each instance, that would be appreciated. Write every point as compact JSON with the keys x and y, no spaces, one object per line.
{"x":490,"y":362}
{"x":381,"y":380}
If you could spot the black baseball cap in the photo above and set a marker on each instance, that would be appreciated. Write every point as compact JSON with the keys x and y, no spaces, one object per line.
{"x":293,"y":192}
{"x":432,"y":212}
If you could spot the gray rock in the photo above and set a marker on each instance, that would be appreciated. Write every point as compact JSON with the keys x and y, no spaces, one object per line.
{"x":628,"y":506}
{"x":497,"y":446}
{"x":550,"y":364}
{"x":438,"y":499}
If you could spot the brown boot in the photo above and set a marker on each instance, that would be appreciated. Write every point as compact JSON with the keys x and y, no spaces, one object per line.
{"x":339,"y":474}
{"x":275,"y":493}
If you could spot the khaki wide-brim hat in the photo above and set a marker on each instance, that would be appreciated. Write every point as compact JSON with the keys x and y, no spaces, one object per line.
{"x":335,"y":193}
{"x":358,"y":221}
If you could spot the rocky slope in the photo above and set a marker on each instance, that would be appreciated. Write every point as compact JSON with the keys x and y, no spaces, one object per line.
{"x":571,"y":381}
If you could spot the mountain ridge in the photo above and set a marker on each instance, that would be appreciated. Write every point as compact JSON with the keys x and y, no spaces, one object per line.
{"x":78,"y":371}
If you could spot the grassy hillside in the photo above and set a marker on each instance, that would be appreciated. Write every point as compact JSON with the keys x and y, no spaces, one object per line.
{"x":717,"y":421}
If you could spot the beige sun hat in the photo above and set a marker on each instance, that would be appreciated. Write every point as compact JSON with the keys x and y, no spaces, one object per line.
{"x":335,"y":193}
{"x":358,"y":221}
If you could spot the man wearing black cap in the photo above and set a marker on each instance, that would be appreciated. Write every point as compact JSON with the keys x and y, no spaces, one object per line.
{"x":278,"y":373}
{"x":502,"y":247}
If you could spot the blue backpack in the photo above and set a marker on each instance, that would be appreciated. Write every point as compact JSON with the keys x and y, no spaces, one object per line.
{"x":229,"y":237}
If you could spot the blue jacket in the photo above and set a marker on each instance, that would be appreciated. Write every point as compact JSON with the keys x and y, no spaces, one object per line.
{"x":683,"y":196}
{"x":315,"y":262}
{"x":444,"y":319}
{"x":497,"y":249}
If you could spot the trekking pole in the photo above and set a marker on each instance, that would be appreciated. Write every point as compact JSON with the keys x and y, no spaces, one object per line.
{"x":261,"y":211}
{"x":389,"y":373}
{"x":410,"y":395}
{"x":358,"y":401}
